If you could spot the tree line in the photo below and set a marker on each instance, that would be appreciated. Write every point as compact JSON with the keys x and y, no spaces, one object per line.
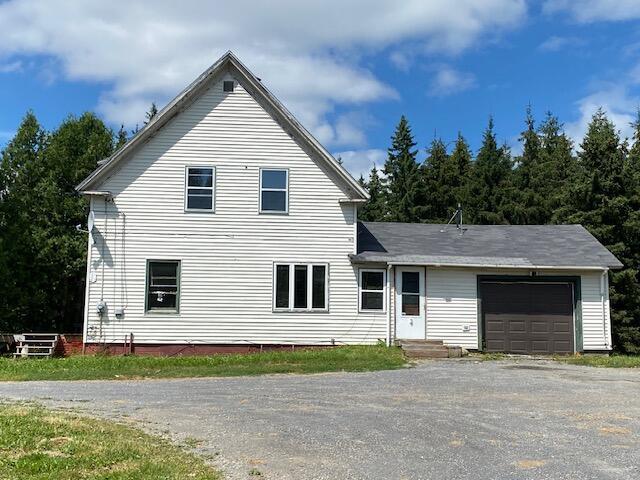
{"x":43,"y":256}
{"x":547,"y":183}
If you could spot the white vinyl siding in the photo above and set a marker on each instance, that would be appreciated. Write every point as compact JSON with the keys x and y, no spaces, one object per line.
{"x":226,"y":280}
{"x":452,"y":305}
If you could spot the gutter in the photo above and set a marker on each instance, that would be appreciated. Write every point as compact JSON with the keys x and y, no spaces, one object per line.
{"x":481,"y":265}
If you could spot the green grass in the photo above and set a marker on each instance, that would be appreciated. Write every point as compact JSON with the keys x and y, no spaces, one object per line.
{"x":613,"y":361}
{"x":350,"y":358}
{"x":38,"y":444}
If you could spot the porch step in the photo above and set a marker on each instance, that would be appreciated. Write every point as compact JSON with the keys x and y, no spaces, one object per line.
{"x":429,"y":349}
{"x":35,"y":344}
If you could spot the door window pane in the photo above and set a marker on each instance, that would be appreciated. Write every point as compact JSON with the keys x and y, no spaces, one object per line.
{"x":282,"y":286}
{"x":319,"y":287}
{"x":410,"y":304}
{"x":410,"y":282}
{"x":300,"y":286}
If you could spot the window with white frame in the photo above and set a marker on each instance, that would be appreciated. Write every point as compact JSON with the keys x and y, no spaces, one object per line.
{"x":163,"y":286}
{"x":372,"y":290}
{"x":274,"y":190}
{"x":199,"y":189}
{"x":300,"y":286}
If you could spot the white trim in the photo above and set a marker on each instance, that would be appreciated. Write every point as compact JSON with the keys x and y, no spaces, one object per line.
{"x":383,"y":291}
{"x":212,"y":188}
{"x":261,"y":189}
{"x":291,"y":307}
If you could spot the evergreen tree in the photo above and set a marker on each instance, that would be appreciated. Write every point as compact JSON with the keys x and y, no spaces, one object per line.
{"x":444,"y":177}
{"x":375,"y":209}
{"x":489,"y":193}
{"x":121,"y":137}
{"x":601,"y":200}
{"x":153,"y":111}
{"x":40,"y":209}
{"x":402,"y":175}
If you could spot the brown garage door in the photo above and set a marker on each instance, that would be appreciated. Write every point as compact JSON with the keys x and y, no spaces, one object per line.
{"x":531,"y":318}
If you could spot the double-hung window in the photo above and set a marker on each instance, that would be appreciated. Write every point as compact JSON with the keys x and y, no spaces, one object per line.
{"x":274,"y":190}
{"x":199,"y":189}
{"x":372,"y":290}
{"x":301,"y":286}
{"x":163,"y":286}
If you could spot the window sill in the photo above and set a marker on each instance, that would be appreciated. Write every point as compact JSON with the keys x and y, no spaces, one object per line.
{"x":362,"y":310}
{"x":173,"y":313}
{"x":299,"y":310}
{"x":268,"y":212}
{"x":194,"y":210}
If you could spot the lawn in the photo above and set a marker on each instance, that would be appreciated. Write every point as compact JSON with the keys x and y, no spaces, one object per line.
{"x":613,"y":361}
{"x":41,"y":444}
{"x":350,"y":358}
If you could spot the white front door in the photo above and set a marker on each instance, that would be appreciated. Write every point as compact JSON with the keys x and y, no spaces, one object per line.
{"x":410,"y":317}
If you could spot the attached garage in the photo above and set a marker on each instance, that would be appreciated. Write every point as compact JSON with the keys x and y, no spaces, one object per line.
{"x":528,"y":317}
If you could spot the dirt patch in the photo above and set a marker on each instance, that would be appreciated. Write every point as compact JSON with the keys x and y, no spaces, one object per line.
{"x":614,"y":431}
{"x":530,"y":464}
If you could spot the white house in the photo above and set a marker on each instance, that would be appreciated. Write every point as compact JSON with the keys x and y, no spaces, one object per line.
{"x":224,"y":225}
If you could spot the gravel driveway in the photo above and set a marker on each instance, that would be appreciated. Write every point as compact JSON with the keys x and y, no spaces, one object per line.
{"x":442,"y":419}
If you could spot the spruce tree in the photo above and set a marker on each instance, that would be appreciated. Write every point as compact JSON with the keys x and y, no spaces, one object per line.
{"x":402,"y":176}
{"x":121,"y":137}
{"x":489,"y":193}
{"x":444,"y":177}
{"x":375,"y":209}
{"x":601,"y":199}
{"x":153,"y":111}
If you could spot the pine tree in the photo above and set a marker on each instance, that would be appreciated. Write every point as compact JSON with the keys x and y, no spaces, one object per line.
{"x":489,"y":194}
{"x":375,"y":209}
{"x":402,"y":175}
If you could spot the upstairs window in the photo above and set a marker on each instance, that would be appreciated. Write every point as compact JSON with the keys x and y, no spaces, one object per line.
{"x":199,"y":189}
{"x":300,"y":287}
{"x":372,"y":290}
{"x":163,"y":286}
{"x":274,"y":191}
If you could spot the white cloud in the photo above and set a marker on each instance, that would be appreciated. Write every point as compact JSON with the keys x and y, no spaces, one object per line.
{"x":448,"y":80}
{"x":360,"y":162}
{"x":556,"y":43}
{"x":620,"y":105}
{"x":11,"y":67}
{"x":304,"y":51}
{"x":586,"y":11}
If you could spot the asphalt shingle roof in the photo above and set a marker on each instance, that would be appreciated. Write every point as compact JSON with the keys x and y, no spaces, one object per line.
{"x":482,"y":245}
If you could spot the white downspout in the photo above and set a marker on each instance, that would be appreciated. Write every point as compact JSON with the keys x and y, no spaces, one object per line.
{"x":603,"y":295}
{"x":389,"y":267}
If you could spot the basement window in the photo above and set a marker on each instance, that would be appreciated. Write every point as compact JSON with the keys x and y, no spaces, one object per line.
{"x":372,"y":290}
{"x":199,"y":189}
{"x":300,"y":287}
{"x":163,"y":286}
{"x":227,"y":86}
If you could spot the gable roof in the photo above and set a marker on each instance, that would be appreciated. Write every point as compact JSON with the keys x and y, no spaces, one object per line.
{"x":228,"y":63}
{"x":509,"y":246}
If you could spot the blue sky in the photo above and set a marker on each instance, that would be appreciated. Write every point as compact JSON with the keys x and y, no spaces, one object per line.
{"x":348,"y":70}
